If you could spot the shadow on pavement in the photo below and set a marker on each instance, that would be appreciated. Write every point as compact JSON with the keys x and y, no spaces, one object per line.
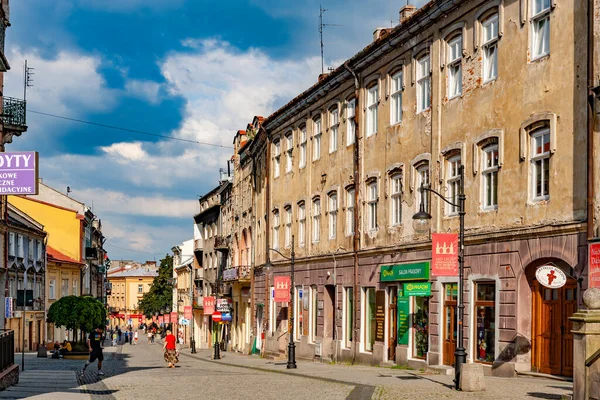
{"x":538,"y":395}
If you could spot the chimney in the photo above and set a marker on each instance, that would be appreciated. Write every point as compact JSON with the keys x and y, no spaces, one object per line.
{"x":322,"y":77}
{"x":406,"y":12}
{"x":380,"y":33}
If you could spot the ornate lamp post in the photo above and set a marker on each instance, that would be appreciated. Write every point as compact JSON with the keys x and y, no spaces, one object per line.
{"x":421,"y":225}
{"x":291,"y":364}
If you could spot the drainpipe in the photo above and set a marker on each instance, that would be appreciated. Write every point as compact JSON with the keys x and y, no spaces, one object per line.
{"x":356,"y":239}
{"x":590,"y":123}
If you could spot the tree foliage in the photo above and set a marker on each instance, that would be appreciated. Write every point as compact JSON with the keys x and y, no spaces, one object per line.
{"x":160,"y":294}
{"x":77,"y":313}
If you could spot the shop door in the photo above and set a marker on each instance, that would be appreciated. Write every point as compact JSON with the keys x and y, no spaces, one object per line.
{"x":30,"y":336}
{"x":450,"y":322}
{"x":553,"y":341}
{"x":393,"y":325}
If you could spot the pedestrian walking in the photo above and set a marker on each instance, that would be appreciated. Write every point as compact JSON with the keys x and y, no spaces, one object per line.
{"x":170,"y":349}
{"x":130,"y":338}
{"x":135,"y":337}
{"x":119,"y":333}
{"x":114,"y":338}
{"x":94,"y":343}
{"x":150,"y":337}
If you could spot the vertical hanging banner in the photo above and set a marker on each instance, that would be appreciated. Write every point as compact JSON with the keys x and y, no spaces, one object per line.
{"x":167,"y":318}
{"x":187,"y":312}
{"x":444,"y":254}
{"x":209,"y":305}
{"x":174,"y":317}
{"x":160,"y":319}
{"x":282,"y":289}
{"x":594,"y":265}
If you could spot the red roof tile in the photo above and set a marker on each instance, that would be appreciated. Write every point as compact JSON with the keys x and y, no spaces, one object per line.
{"x":55,"y":255}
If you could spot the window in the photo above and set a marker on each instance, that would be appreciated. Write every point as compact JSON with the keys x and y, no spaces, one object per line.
{"x":540,"y":162}
{"x":52,"y":289}
{"x":288,"y":226}
{"x":350,"y":211}
{"x":489,"y":172}
{"x":298,"y":313}
{"x":541,"y":28}
{"x":369,"y":318}
{"x":372,"y":103}
{"x":348,"y":316}
{"x":11,"y":244}
{"x":485,"y":327}
{"x":453,"y":183}
{"x":289,"y":147}
{"x":423,"y":84}
{"x":40,"y":251}
{"x":317,"y":140}
{"x":313,"y":312}
{"x":420,"y":326}
{"x":316,"y":219}
{"x":30,"y":249}
{"x":333,"y":208}
{"x":277,"y":163}
{"x":276,"y":229}
{"x":75,"y":291}
{"x":20,"y":250}
{"x":303,"y":147}
{"x":372,"y":205}
{"x":351,"y":126}
{"x":301,"y":223}
{"x":334,"y":122}
{"x":396,"y":196}
{"x":454,"y":65}
{"x":272,"y":311}
{"x":65,"y":288}
{"x":140,"y":288}
{"x":490,"y":48}
{"x":396,"y":103}
{"x":423,"y":179}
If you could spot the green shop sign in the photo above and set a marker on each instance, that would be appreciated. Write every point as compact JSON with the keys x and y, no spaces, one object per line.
{"x":405,"y":272}
{"x":417,"y":289}
{"x":403,"y":313}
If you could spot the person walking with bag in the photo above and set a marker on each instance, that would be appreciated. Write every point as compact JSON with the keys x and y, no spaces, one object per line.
{"x":170,"y":349}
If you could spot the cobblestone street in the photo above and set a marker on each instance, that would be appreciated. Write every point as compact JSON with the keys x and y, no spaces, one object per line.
{"x":135,"y":372}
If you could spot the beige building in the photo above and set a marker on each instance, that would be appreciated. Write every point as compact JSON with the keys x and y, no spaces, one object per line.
{"x":499,"y":87}
{"x":128,"y":286}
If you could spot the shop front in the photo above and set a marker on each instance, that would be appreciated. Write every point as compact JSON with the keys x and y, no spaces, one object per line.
{"x":405,"y":299}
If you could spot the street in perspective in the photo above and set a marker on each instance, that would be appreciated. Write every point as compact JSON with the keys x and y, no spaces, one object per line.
{"x":345,"y":200}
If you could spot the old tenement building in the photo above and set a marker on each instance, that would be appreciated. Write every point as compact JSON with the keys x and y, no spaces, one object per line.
{"x":495,"y":86}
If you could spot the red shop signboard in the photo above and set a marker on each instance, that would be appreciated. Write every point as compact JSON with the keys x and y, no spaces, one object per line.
{"x":594,"y":265}
{"x":209,"y":305}
{"x":444,"y":254}
{"x":282,"y":289}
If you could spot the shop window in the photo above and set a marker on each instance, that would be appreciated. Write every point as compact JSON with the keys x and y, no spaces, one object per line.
{"x":420,"y":327}
{"x":298,"y":320}
{"x":313,"y":311}
{"x":485,"y":329}
{"x":348,"y":316}
{"x":272,"y":311}
{"x":369,"y":318}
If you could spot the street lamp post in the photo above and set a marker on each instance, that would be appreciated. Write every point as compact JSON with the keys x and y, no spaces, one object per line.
{"x":421,"y":221}
{"x":291,"y":364}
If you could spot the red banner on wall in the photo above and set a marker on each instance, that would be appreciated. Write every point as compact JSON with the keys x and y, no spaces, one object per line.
{"x":160,"y":319}
{"x":174,"y":317}
{"x":594,"y":265}
{"x":282,"y":289}
{"x":209,"y":305}
{"x":167,"y":318}
{"x":444,"y":254}
{"x":155,"y":319}
{"x":187,"y":312}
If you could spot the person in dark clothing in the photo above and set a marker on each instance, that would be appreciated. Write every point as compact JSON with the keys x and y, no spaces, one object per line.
{"x":119,"y":333}
{"x":94,"y":343}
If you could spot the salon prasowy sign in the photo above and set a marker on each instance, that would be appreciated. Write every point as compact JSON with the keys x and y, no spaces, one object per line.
{"x":19,"y":173}
{"x":550,"y":276}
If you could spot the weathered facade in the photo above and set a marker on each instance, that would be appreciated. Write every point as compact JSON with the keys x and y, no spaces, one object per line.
{"x":495,"y":86}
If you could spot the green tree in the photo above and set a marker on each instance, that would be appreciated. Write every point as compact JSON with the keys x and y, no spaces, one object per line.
{"x":77,"y":313}
{"x":160,"y":294}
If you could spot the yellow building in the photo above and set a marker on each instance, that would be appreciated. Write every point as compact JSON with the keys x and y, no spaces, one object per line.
{"x":128,"y":288}
{"x":64,"y":229}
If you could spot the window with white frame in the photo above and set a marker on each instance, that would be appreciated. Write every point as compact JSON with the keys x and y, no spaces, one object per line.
{"x":540,"y":28}
{"x":333,"y":209}
{"x":65,"y":288}
{"x":20,"y":250}
{"x":298,"y":312}
{"x":350,"y":211}
{"x":52,"y":289}
{"x":369,"y":306}
{"x":11,"y":244}
{"x":372,"y":205}
{"x":75,"y":291}
{"x":288,"y":226}
{"x":317,"y":139}
{"x":490,"y":47}
{"x":372,"y":103}
{"x":289,"y":147}
{"x":351,"y":122}
{"x":454,"y":66}
{"x":301,"y":223}
{"x":272,"y":311}
{"x":348,"y":316}
{"x":396,"y":96}
{"x":423,"y":83}
{"x":303,"y":147}
{"x":540,"y":164}
{"x":334,"y":123}
{"x":313,"y":313}
{"x":140,"y":288}
{"x":276,"y":229}
{"x":396,"y":198}
{"x":423,"y":179}
{"x":453,"y":181}
{"x":40,"y":250}
{"x":316,"y":225}
{"x":30,"y":249}
{"x":277,"y":163}
{"x":489,"y":173}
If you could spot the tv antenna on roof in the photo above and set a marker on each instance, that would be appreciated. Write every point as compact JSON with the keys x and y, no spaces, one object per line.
{"x":321,"y":26}
{"x":27,"y":79}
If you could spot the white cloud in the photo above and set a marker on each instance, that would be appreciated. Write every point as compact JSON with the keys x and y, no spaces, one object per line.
{"x":145,"y":90}
{"x":124,"y":152}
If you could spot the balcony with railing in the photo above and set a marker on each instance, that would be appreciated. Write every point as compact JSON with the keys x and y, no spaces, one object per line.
{"x":14,"y":115}
{"x":221,"y":243}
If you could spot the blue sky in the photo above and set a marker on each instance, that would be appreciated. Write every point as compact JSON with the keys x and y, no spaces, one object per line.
{"x":192,"y":69}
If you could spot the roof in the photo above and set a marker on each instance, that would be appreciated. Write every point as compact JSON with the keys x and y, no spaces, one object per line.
{"x":57,"y":256}
{"x":185,"y":264}
{"x":135,"y":273}
{"x":19,"y":219}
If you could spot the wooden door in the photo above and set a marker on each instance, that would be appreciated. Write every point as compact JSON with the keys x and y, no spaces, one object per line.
{"x":393,"y":324}
{"x":450,"y":322}
{"x":553,"y":341}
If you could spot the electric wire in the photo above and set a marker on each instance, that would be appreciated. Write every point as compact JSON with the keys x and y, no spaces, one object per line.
{"x":135,"y":251}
